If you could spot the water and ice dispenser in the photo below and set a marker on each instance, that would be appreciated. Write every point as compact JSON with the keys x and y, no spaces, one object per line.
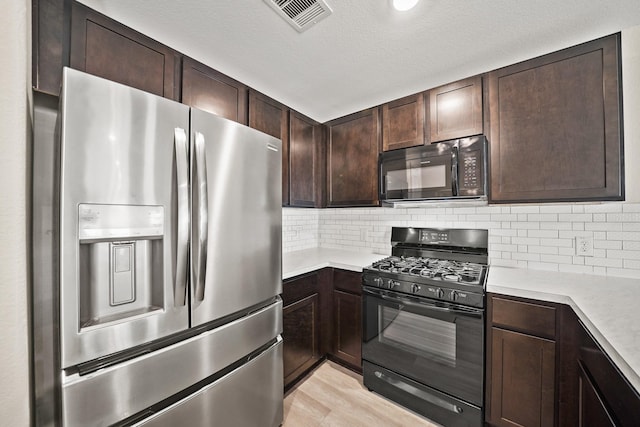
{"x":120,"y":262}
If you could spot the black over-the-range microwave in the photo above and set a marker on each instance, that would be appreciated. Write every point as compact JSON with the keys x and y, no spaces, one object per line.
{"x":444,"y":171}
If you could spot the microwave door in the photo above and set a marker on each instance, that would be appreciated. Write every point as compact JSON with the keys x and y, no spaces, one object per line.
{"x":419,"y":178}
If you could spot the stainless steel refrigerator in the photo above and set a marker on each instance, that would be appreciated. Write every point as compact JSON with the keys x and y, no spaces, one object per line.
{"x":157,"y":263}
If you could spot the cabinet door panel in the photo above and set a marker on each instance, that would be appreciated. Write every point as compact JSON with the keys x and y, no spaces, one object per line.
{"x":347,"y":339}
{"x":49,"y":21}
{"x":272,"y":118}
{"x":456,"y":110}
{"x":522,"y":380}
{"x":306,"y":162}
{"x":403,"y":123}
{"x":592,"y":410}
{"x":214,"y":92}
{"x":353,"y":160}
{"x":556,"y":127}
{"x":108,"y":49}
{"x":300,"y":336}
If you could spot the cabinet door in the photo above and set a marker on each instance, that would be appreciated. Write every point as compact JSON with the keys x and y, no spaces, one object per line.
{"x":212,"y":91}
{"x":592,"y":410}
{"x":272,"y":118}
{"x":522,"y":380}
{"x":108,"y":49}
{"x":556,"y":128}
{"x":352,"y":158}
{"x":306,"y":162}
{"x":455,"y":110}
{"x":49,"y":21}
{"x":347,"y":330}
{"x":403,"y":122}
{"x":301,"y":337}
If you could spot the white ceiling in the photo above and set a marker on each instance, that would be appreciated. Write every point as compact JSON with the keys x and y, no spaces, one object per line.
{"x":365,"y":53}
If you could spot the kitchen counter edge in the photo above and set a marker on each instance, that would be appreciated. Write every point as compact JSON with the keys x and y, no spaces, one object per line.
{"x":308,"y":260}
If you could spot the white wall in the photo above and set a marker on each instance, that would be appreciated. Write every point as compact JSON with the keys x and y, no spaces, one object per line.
{"x":15,"y":74}
{"x":528,"y":236}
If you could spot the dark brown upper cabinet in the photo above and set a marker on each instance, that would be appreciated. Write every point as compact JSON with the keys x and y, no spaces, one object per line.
{"x":556,"y":126}
{"x":271,"y":117}
{"x":49,"y":44}
{"x":106,"y":48}
{"x":352,"y":159}
{"x":403,"y":122}
{"x":306,"y":162}
{"x":209,"y":90}
{"x":455,"y":110}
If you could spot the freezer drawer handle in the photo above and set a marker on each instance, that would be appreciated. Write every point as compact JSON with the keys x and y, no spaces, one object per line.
{"x":182,"y":178}
{"x":202,"y":214}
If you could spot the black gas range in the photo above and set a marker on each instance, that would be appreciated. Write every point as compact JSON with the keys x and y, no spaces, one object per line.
{"x":423,"y":323}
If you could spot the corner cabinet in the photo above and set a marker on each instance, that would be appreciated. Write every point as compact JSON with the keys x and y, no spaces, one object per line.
{"x":307,"y":165}
{"x":352,"y":160}
{"x":521,"y":355}
{"x":556,"y":126}
{"x":271,"y":117}
{"x":108,"y":49}
{"x":455,"y":110}
{"x":347,"y":318}
{"x":209,"y":90}
{"x":403,"y":122}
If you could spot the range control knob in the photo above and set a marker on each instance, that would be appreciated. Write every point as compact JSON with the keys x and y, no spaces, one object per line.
{"x":393,"y":284}
{"x":415,"y":288}
{"x":454,"y":295}
{"x":377,"y":281}
{"x":439,"y":293}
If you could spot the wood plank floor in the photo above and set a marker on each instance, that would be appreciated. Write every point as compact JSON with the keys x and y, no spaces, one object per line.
{"x":334,"y":396}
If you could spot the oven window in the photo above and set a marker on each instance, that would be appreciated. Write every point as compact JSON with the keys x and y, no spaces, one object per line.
{"x":416,"y":178}
{"x":417,"y":334}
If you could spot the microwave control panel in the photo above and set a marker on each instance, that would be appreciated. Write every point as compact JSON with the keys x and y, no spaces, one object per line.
{"x":471,"y":168}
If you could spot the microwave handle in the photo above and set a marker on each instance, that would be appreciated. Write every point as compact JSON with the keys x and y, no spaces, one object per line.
{"x":454,"y":170}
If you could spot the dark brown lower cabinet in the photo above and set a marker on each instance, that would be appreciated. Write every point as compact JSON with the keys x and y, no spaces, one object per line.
{"x":301,"y":337}
{"x":304,"y":308}
{"x":545,"y":369}
{"x":592,"y":410}
{"x":347,"y":328}
{"x":522,"y":379}
{"x":521,"y":362}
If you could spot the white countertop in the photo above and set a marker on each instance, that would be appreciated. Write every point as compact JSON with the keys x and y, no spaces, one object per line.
{"x":608,"y":307}
{"x":305,"y":261}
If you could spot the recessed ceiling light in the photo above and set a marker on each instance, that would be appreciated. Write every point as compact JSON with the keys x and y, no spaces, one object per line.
{"x":403,"y":5}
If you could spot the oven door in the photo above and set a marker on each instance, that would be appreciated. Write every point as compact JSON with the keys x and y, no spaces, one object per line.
{"x":434,"y":343}
{"x":417,"y":173}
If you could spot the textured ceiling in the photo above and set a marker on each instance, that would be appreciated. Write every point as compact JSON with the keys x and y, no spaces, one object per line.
{"x":366,"y":53}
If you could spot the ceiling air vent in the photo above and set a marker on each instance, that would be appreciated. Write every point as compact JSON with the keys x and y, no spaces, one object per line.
{"x":301,"y":14}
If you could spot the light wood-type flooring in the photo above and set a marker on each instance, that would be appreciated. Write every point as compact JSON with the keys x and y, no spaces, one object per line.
{"x":334,"y":396}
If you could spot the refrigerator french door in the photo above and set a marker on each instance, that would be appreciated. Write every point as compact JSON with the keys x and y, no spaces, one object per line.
{"x":168,"y":225}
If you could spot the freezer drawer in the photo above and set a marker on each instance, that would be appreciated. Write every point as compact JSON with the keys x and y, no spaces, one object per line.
{"x":250,"y":396}
{"x":115,"y":393}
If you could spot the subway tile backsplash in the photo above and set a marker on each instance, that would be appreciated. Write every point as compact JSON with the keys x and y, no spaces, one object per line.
{"x":541,"y":237}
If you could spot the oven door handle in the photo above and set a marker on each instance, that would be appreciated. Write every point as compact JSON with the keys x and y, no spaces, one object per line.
{"x":423,"y":305}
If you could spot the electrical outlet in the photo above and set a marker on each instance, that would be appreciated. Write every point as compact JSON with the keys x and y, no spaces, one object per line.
{"x":584,"y":246}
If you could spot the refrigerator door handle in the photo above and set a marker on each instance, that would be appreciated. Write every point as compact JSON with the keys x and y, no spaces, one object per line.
{"x":202,"y":214}
{"x":182,"y":175}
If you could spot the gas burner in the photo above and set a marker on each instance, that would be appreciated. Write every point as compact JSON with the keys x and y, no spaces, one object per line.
{"x":432,"y":268}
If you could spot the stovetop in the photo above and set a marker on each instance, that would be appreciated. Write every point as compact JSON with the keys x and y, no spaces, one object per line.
{"x":445,"y":280}
{"x":432,"y":268}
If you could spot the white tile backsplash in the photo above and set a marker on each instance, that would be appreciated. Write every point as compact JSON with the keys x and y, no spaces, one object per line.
{"x":540,"y":237}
